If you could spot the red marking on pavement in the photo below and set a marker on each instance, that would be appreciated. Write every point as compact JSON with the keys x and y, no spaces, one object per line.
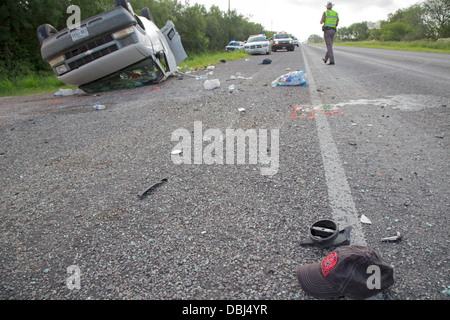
{"x":307,"y":117}
{"x":331,"y":113}
{"x":64,"y":100}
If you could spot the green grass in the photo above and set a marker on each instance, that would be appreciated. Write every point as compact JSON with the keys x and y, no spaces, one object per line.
{"x":31,"y":84}
{"x":207,"y":59}
{"x":46,"y":83}
{"x":419,"y":45}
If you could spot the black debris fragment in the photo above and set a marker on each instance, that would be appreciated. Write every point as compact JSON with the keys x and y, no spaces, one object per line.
{"x":152,"y":188}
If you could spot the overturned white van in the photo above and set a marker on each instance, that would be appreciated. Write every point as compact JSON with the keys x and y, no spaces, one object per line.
{"x":116,"y":49}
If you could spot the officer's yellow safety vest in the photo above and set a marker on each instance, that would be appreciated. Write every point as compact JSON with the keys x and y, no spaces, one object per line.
{"x":331,"y":18}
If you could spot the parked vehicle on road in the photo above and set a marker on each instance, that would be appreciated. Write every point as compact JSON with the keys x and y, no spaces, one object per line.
{"x":113,"y":50}
{"x":257,"y":44}
{"x":282,"y":40}
{"x":234,"y":46}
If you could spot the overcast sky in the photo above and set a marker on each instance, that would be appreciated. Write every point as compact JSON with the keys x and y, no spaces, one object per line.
{"x":302,"y":17}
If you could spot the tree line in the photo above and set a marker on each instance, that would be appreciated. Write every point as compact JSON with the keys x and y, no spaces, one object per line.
{"x":201,"y":30}
{"x":427,"y":20}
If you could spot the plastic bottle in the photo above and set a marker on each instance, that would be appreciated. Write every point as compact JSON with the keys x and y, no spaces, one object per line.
{"x":99,"y":107}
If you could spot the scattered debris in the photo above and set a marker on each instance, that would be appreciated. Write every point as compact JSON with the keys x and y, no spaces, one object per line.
{"x":67,"y":92}
{"x":176,"y":151}
{"x":152,"y":188}
{"x":99,"y":107}
{"x":241,"y":109}
{"x":266,"y":61}
{"x":393,"y":238}
{"x":365,"y":220}
{"x":187,"y":74}
{"x":211,"y":84}
{"x":238,"y":76}
{"x":325,"y":234}
{"x":294,"y":78}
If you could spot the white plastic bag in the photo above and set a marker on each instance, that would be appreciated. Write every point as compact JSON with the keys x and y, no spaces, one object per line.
{"x":211,"y":84}
{"x":294,"y":78}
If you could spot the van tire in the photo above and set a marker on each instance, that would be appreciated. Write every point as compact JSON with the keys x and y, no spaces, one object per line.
{"x":145,"y":12}
{"x":123,"y":4}
{"x":44,"y":31}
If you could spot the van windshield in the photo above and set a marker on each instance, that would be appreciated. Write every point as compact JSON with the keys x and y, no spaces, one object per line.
{"x":139,"y":74}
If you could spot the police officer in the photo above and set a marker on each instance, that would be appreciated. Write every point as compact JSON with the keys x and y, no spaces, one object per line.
{"x":330,"y":20}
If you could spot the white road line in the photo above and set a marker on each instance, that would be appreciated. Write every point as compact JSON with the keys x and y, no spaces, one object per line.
{"x":341,"y":201}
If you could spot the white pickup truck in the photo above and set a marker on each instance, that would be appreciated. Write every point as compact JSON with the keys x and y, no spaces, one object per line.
{"x":116,"y":49}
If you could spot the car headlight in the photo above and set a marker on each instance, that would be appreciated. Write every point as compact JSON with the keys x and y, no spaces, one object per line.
{"x":61,"y":69}
{"x":56,"y":60}
{"x":123,"y":33}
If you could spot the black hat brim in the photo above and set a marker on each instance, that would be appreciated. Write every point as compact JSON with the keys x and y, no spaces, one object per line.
{"x":313,"y":283}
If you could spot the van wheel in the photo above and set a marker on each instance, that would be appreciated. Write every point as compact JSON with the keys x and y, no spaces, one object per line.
{"x":145,"y":12}
{"x":125,"y":4}
{"x":44,"y":31}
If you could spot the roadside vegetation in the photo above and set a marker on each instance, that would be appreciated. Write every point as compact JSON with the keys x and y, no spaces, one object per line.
{"x":418,"y":45}
{"x":213,"y":58}
{"x":420,"y":27}
{"x":31,"y":84}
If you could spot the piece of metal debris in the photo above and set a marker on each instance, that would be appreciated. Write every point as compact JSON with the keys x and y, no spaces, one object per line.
{"x":326,"y":233}
{"x":151,"y":189}
{"x":176,"y":151}
{"x":365,"y":220}
{"x":393,"y":238}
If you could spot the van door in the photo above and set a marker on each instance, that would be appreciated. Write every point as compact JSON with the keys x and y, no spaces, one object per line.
{"x":174,"y":41}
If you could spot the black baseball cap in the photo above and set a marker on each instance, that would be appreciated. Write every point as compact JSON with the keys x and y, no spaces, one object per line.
{"x":356,"y":272}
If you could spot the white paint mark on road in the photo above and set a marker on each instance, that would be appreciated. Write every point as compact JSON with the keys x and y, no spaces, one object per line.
{"x":403,"y":102}
{"x":339,"y":194}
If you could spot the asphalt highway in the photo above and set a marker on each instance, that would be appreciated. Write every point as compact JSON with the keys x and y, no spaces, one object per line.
{"x":367,"y":136}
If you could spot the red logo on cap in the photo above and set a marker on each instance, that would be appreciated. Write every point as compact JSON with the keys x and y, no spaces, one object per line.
{"x":329,"y":263}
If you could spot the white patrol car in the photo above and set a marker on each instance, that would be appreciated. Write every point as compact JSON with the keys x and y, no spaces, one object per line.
{"x":257,"y":44}
{"x":234,"y":46}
